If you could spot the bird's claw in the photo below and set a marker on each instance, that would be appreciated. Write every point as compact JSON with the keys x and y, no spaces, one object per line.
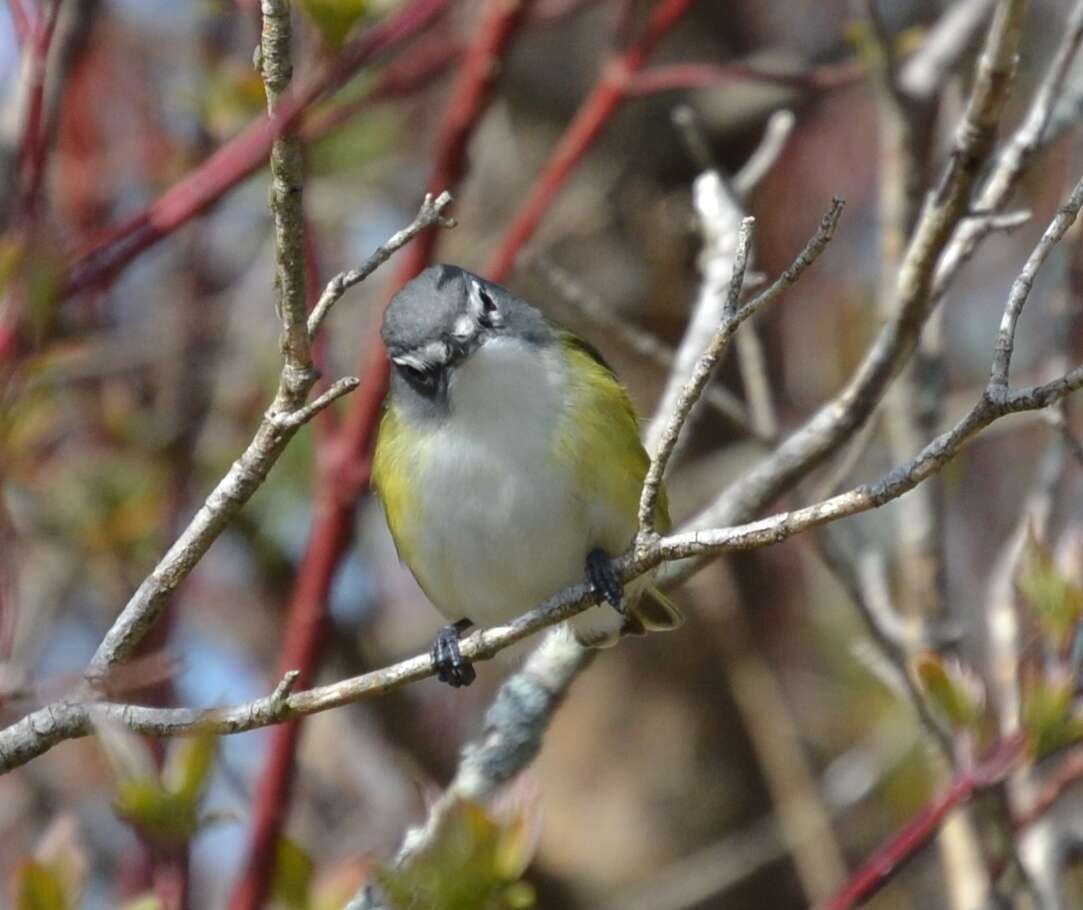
{"x":603,"y":580}
{"x":450,"y":666}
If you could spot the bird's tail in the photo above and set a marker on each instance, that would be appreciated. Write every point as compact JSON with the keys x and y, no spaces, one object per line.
{"x":649,"y":610}
{"x":653,"y":612}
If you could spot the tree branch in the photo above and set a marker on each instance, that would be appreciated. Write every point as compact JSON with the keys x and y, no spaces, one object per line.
{"x":1024,"y":282}
{"x":693,"y":389}
{"x":431,"y":214}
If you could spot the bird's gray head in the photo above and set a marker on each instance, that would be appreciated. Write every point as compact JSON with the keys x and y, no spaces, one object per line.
{"x":442,"y":317}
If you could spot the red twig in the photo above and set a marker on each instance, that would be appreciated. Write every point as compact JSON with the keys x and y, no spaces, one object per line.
{"x":241,"y":156}
{"x":905,"y":845}
{"x":344,"y":465}
{"x":592,"y":116}
{"x":32,"y":142}
{"x":24,"y":26}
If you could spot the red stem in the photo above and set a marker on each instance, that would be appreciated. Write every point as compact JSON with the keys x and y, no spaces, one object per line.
{"x":879,"y":869}
{"x":241,"y":156}
{"x":21,"y":19}
{"x":610,"y":90}
{"x":343,"y":471}
{"x":32,"y":142}
{"x":171,"y":879}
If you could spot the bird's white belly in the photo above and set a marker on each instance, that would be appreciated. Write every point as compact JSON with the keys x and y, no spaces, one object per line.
{"x":504,"y":536}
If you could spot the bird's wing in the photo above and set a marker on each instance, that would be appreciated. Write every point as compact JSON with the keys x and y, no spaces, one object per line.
{"x":601,"y":435}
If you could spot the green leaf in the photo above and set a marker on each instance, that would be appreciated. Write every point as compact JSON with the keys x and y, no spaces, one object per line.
{"x":292,"y":875}
{"x":159,"y":814}
{"x":38,"y":887}
{"x":473,"y":863}
{"x":1057,"y":601}
{"x":165,"y":806}
{"x":1048,"y":716}
{"x":955,"y":692}
{"x":189,"y":766}
{"x":334,"y":18}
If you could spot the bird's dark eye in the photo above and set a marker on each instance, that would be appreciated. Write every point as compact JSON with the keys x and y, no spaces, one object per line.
{"x":424,"y":380}
{"x":488,"y":306}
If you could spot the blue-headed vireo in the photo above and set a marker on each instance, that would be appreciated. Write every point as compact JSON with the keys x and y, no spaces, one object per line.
{"x":508,"y":462}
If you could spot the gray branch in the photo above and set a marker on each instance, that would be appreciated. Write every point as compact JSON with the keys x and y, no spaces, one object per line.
{"x":430,"y":215}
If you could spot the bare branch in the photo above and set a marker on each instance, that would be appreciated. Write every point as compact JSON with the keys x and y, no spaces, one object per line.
{"x":1021,"y":287}
{"x":429,"y":215}
{"x":294,"y":419}
{"x":62,"y":720}
{"x":720,"y":217}
{"x":705,"y":365}
{"x":925,"y":72}
{"x":1014,"y":159}
{"x":287,"y":206}
{"x":692,"y":390}
{"x":775,"y":136}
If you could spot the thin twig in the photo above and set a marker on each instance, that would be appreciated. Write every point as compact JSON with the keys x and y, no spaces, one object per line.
{"x":1024,"y":282}
{"x":924,"y":74}
{"x":1015,"y":157}
{"x":878,"y":870}
{"x":287,"y":207}
{"x":751,"y":358}
{"x":431,"y":213}
{"x":775,"y":136}
{"x":693,"y":389}
{"x":720,"y":216}
{"x":32,"y":145}
{"x":702,"y":371}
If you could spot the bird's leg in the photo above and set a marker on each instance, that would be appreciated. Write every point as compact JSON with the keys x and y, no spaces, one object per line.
{"x":603,"y":580}
{"x":449,"y":664}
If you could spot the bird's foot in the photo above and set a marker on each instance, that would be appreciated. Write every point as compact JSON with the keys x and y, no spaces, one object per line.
{"x":450,"y":666}
{"x":603,"y":580}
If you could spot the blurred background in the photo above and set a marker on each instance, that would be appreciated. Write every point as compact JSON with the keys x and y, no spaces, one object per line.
{"x":661,"y":778}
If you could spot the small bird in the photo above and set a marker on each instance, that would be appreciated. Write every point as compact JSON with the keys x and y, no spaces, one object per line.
{"x":508,"y":463}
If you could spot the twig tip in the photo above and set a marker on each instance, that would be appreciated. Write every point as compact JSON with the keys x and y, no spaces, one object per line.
{"x":285,"y":686}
